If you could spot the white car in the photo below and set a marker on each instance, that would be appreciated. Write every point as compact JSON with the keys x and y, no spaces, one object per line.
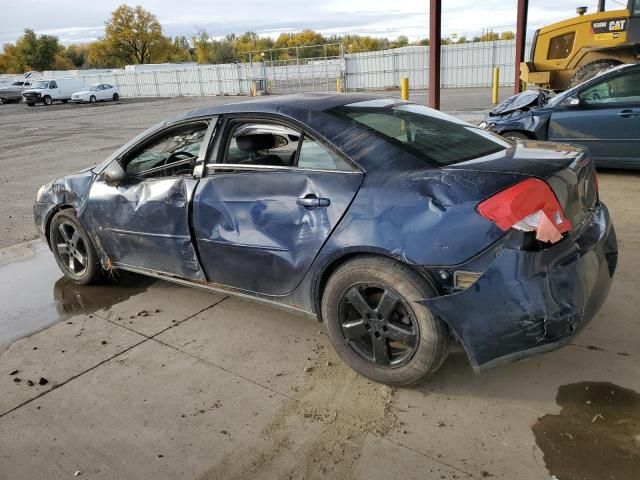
{"x":98,"y":92}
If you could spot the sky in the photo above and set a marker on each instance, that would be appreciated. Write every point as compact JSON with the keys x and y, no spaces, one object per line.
{"x":78,"y":21}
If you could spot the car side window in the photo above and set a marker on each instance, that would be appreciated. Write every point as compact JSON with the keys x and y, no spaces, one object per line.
{"x":173,"y":152}
{"x":315,"y":156}
{"x":621,"y":89}
{"x":53,"y":85}
{"x":268,"y":144}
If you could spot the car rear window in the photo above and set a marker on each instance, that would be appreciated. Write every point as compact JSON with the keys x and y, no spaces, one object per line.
{"x":428,"y":134}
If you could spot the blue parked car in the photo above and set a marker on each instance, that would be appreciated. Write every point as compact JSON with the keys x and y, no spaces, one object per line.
{"x":399,"y":227}
{"x":602,"y":114}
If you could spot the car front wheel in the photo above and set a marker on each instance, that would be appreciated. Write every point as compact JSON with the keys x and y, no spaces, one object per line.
{"x":47,"y":100}
{"x":73,"y":249}
{"x":378,"y":327}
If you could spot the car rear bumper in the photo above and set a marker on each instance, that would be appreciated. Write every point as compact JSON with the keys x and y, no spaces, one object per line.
{"x":531,"y":302}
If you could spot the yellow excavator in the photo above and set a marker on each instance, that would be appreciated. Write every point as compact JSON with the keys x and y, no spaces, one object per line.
{"x":569,"y":52}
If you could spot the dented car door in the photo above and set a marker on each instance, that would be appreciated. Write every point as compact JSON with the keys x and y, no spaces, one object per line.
{"x":143,"y":221}
{"x":262,"y":213}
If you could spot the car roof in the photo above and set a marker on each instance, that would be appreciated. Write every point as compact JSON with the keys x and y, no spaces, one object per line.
{"x":296,"y":106}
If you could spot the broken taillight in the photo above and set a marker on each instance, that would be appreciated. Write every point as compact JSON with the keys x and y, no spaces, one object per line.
{"x":529,"y":206}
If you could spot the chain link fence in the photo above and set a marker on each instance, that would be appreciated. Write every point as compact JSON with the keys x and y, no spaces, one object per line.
{"x":322,"y":68}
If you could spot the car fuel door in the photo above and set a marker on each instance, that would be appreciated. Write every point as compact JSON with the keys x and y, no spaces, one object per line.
{"x":142,"y":219}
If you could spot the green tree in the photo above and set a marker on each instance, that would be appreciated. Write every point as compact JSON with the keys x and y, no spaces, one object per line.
{"x":33,"y":52}
{"x":37,"y":52}
{"x":77,"y":54}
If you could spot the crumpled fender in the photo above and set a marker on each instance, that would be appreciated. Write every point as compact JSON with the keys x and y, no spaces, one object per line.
{"x":527,"y":302}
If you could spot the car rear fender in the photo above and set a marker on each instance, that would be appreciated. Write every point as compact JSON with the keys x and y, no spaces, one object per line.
{"x":530,"y":302}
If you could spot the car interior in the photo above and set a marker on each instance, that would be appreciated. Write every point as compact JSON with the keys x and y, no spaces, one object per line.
{"x":262,"y":144}
{"x":173,"y":153}
{"x":622,"y":89}
{"x":270,"y":144}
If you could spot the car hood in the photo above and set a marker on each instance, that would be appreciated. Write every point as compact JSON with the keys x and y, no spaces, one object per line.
{"x":524,"y":100}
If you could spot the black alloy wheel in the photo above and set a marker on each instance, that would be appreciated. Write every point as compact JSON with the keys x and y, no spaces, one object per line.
{"x":377,"y":325}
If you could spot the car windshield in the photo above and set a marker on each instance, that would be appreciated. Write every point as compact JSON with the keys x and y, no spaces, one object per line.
{"x":94,"y":88}
{"x":428,"y":134}
{"x":41,"y":84}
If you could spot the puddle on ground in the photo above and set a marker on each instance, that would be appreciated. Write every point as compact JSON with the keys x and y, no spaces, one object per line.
{"x":35,"y":295}
{"x":596,"y":436}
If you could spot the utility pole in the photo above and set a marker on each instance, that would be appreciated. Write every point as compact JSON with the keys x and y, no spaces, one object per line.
{"x":435,"y":40}
{"x":521,"y":38}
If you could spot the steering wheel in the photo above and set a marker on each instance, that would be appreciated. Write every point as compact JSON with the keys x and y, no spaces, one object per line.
{"x":174,"y":157}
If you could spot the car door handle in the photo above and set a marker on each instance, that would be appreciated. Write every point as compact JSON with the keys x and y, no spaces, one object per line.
{"x":312,"y":202}
{"x":628,"y":113}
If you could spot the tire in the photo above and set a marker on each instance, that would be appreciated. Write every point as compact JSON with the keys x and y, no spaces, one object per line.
{"x":590,"y":70}
{"x":92,"y":99}
{"x":514,"y":135}
{"x":67,"y":235}
{"x":47,"y":100}
{"x":427,"y":339}
{"x":116,"y":97}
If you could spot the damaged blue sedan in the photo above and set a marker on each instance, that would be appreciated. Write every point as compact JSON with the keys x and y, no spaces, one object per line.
{"x":399,"y":227}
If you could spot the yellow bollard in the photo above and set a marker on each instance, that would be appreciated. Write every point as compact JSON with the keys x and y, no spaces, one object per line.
{"x":404,"y":88}
{"x":339,"y":85}
{"x":496,"y":84}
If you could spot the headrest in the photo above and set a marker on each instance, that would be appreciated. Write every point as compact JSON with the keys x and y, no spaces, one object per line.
{"x":253,"y":143}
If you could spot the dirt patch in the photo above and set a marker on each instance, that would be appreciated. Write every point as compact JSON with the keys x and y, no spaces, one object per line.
{"x":320,"y":431}
{"x":595,"y":436}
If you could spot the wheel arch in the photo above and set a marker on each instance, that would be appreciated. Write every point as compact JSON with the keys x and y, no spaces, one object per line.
{"x":51,"y":214}
{"x":529,"y":135}
{"x":336,"y":262}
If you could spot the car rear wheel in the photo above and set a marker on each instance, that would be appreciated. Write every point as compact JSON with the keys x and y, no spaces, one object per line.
{"x":116,"y":97}
{"x":92,"y":99}
{"x":73,"y":249}
{"x":375,"y":323}
{"x":515,"y":136}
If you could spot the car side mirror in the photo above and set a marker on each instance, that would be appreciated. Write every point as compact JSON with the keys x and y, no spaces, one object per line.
{"x":572,"y":102}
{"x":113,"y":174}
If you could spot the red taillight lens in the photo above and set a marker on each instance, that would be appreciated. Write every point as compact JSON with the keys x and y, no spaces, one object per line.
{"x":530,"y":206}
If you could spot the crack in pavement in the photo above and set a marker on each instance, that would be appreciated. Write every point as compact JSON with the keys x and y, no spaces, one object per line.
{"x":145,"y":339}
{"x":208,"y":362}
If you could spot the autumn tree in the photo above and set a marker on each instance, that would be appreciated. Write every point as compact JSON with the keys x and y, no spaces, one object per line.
{"x":509,"y":35}
{"x":134,"y":35}
{"x":9,"y":61}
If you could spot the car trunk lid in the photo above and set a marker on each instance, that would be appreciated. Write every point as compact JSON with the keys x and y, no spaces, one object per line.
{"x":568,"y":170}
